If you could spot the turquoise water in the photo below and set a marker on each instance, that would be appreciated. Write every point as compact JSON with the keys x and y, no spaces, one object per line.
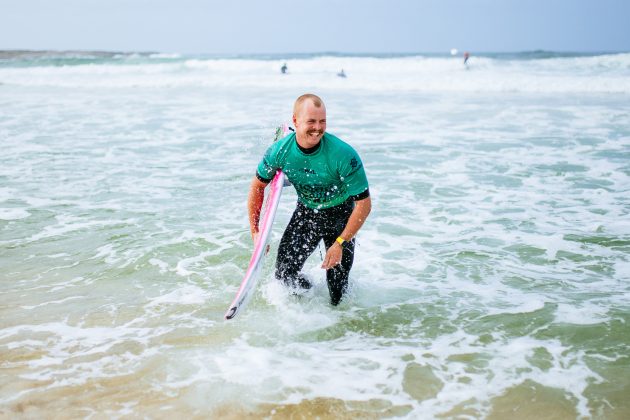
{"x":491,"y":279}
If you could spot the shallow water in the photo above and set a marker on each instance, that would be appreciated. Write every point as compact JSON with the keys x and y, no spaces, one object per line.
{"x":491,"y":279}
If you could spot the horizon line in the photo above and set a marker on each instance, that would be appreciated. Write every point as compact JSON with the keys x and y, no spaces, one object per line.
{"x":445,"y":52}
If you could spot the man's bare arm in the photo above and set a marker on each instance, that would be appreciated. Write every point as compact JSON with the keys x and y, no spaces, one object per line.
{"x":254,"y":204}
{"x":360,"y":212}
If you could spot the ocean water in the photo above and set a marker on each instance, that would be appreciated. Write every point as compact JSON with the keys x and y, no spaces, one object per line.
{"x":492,"y":279}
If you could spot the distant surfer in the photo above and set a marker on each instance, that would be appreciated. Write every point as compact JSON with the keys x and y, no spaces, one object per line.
{"x":466,"y":57}
{"x":284,"y":68}
{"x":341,"y":73}
{"x":333,"y":198}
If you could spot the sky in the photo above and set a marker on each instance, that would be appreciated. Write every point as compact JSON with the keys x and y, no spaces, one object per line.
{"x":285,"y":26}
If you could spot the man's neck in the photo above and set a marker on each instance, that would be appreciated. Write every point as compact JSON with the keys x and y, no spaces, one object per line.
{"x":306,"y":145}
{"x":309,"y":148}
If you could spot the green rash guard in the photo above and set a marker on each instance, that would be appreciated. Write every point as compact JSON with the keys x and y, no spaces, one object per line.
{"x":324,"y":178}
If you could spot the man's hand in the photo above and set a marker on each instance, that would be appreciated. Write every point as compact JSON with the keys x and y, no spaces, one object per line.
{"x":333,"y":256}
{"x":256,"y":237}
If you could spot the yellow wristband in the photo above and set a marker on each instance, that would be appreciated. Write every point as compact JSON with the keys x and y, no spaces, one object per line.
{"x":340,"y":241}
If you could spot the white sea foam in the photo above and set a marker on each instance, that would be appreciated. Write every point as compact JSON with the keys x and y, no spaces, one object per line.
{"x":187,"y":295}
{"x":13,"y":214}
{"x":585,"y":314}
{"x":607,"y":73}
{"x":53,"y":302}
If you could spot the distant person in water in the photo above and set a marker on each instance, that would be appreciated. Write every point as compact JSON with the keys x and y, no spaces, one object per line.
{"x":341,"y":73}
{"x":284,"y":68}
{"x":466,"y":57}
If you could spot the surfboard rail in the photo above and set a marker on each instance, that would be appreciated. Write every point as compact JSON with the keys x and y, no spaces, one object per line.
{"x":257,"y":259}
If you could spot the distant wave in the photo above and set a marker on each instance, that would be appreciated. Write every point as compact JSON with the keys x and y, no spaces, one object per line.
{"x":536,"y":71}
{"x":28,"y":58}
{"x":43,"y":57}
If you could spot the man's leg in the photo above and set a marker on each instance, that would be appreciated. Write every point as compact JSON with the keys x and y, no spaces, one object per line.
{"x":298,"y":242}
{"x":335,"y":221}
{"x":337,"y":277}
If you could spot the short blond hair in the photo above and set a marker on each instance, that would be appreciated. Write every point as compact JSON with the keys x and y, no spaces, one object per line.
{"x":317,"y":101}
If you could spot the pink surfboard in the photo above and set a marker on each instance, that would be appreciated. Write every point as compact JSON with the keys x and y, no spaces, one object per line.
{"x":250,"y":280}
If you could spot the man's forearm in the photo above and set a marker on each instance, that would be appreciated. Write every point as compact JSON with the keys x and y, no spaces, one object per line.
{"x":357,"y":218}
{"x":254,"y":204}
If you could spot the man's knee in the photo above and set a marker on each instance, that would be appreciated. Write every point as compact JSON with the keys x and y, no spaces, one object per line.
{"x":282,"y":273}
{"x":292,"y":278}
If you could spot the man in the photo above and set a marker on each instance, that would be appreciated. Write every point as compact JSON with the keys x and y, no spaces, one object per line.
{"x":333,"y":197}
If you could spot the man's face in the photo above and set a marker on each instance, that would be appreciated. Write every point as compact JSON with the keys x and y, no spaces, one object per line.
{"x":310,"y":123}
